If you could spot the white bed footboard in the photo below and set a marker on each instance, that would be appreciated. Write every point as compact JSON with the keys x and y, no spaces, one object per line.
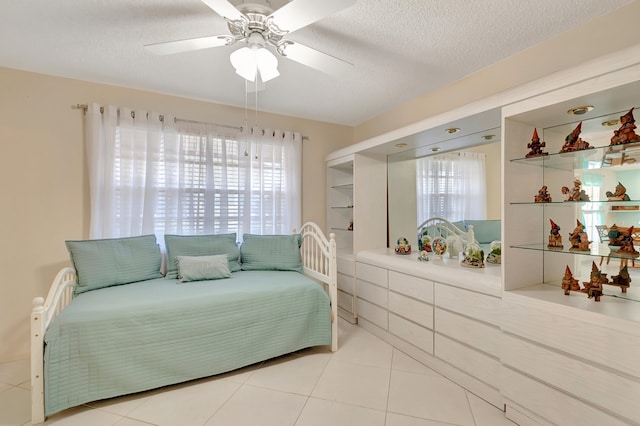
{"x":320,"y":263}
{"x":60,"y":295}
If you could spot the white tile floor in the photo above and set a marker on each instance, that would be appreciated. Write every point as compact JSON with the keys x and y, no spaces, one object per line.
{"x":367,"y":382}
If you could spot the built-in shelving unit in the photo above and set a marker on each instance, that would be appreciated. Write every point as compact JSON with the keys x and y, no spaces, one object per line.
{"x":339,"y":217}
{"x":340,"y":202}
{"x":553,"y":341}
{"x":355,"y":214}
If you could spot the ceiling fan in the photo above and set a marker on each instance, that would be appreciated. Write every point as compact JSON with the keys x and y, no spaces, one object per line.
{"x":259,"y":26}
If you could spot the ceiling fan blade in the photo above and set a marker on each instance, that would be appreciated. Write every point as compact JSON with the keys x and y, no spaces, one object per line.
{"x":224,"y":9}
{"x":179,"y":46}
{"x":300,"y":13}
{"x":313,"y":58}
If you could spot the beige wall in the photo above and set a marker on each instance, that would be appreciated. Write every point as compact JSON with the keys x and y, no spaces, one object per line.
{"x":45,"y":198}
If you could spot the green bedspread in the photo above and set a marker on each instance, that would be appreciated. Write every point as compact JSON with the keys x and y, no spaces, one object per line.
{"x":130,"y":338}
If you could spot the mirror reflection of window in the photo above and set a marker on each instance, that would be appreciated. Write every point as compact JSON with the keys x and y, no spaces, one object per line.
{"x":452,"y":186}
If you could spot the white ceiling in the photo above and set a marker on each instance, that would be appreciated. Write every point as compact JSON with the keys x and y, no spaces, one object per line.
{"x":401,"y":49}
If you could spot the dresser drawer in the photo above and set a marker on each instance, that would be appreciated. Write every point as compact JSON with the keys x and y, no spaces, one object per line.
{"x":473,"y":333}
{"x":418,"y":336}
{"x":414,"y":310}
{"x":575,"y":336}
{"x":372,"y":274}
{"x":372,"y":293}
{"x":345,"y":301}
{"x":375,"y":314}
{"x":475,"y":305}
{"x":346,"y":265}
{"x":345,"y":283}
{"x":586,"y":379}
{"x":415,"y":287}
{"x":535,"y":396}
{"x":475,"y":363}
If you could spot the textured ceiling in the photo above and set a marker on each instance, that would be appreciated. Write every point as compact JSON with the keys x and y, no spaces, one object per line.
{"x":401,"y":49}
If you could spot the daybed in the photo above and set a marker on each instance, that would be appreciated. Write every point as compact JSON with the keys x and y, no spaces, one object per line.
{"x":113,"y":325}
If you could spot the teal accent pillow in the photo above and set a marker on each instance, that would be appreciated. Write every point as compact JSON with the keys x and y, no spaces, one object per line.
{"x":198,"y":268}
{"x":114,"y":261}
{"x":485,"y":231}
{"x":460,"y":225}
{"x":271,"y":252}
{"x":201,"y":245}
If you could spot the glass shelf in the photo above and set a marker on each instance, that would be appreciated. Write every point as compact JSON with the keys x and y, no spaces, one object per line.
{"x":598,"y":157}
{"x":342,"y":229}
{"x":596,"y":202}
{"x":599,"y":250}
{"x":345,"y":186}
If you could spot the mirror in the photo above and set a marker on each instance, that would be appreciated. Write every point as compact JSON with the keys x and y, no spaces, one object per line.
{"x":401,"y":169}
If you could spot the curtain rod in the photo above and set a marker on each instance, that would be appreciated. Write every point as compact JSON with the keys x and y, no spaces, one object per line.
{"x":85,"y":107}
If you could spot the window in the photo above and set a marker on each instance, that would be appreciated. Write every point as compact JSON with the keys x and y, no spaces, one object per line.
{"x":190,"y":178}
{"x":451,"y":186}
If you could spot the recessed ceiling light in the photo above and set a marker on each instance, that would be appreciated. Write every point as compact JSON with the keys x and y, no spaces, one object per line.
{"x":452,"y":130}
{"x":488,"y":137}
{"x":401,"y":145}
{"x":580,"y":110}
{"x":435,"y":149}
{"x":610,"y":123}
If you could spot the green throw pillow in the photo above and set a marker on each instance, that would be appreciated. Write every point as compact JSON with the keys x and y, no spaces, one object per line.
{"x":114,"y":261}
{"x":198,"y":268}
{"x":201,"y":245}
{"x":271,"y":252}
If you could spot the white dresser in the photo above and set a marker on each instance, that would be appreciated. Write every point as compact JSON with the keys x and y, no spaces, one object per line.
{"x":442,"y":314}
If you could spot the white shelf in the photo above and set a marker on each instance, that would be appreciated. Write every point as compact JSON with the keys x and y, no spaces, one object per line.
{"x":596,"y":157}
{"x":613,"y":303}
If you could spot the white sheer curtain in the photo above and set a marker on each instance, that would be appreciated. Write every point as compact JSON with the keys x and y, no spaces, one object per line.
{"x":452,"y":186}
{"x":152,"y":176}
{"x":273,"y":162}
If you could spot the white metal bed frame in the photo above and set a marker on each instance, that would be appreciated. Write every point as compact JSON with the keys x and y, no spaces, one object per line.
{"x":319,"y":263}
{"x":437,"y":226}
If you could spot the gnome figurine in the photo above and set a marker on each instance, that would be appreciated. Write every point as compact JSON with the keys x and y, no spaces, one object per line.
{"x":626,"y":132}
{"x":536,"y":146}
{"x":555,"y":239}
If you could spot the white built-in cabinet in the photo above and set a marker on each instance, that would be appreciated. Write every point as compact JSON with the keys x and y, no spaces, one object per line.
{"x":440,"y":313}
{"x":356,"y":214}
{"x":508,"y":333}
{"x":566,"y":359}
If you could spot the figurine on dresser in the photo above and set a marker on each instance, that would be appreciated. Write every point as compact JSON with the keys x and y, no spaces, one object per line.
{"x":626,"y":132}
{"x":495,"y":252}
{"x":622,"y":238}
{"x":568,"y":282}
{"x":593,"y":287}
{"x":543,"y":195}
{"x":579,"y":238}
{"x":473,"y":256}
{"x":555,"y":239}
{"x":536,"y":146}
{"x":622,"y":280}
{"x":573,"y":141}
{"x":403,"y":246}
{"x":620,"y":194}
{"x":626,"y":246}
{"x":576,"y":193}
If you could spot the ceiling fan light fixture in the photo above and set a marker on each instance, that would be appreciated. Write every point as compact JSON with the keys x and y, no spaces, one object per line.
{"x":248,"y":61}
{"x":244,"y":62}
{"x":267,"y":64}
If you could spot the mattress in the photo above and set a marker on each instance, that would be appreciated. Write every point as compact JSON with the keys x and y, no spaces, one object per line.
{"x":130,"y":338}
